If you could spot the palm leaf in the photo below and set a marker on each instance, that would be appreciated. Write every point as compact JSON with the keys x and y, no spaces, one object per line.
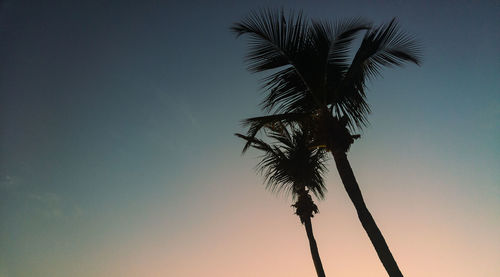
{"x":278,"y":41}
{"x":383,"y":46}
{"x":275,"y":41}
{"x":255,"y":124}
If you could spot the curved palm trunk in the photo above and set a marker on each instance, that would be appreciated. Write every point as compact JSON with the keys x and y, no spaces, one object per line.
{"x":376,"y":237}
{"x":314,"y":248}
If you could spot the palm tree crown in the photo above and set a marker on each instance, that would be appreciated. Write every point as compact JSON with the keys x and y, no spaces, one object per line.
{"x":290,"y":165}
{"x":312,"y":71}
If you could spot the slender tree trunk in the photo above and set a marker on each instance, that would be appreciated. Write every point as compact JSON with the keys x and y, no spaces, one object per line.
{"x":314,"y":248}
{"x":376,"y":237}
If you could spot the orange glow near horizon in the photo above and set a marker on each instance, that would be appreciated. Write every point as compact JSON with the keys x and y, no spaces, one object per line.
{"x":256,"y":234}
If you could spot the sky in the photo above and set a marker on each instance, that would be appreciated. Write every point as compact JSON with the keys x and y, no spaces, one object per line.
{"x":117,"y":154}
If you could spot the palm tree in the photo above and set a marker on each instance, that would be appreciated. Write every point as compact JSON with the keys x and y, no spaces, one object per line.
{"x":292,"y":166}
{"x":313,"y":80}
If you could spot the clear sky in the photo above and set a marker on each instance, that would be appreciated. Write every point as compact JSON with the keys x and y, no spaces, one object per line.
{"x":117,"y":154}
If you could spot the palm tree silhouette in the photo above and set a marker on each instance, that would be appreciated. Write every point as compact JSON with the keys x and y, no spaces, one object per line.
{"x":315,"y":81}
{"x":292,"y":166}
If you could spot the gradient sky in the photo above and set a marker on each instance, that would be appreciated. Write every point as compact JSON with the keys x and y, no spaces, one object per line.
{"x":117,"y":157}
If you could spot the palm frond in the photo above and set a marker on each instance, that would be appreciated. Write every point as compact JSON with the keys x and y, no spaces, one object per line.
{"x":255,"y":142}
{"x":343,"y":34}
{"x":285,"y":89}
{"x":385,"y":45}
{"x":331,"y":41}
{"x":278,"y":41}
{"x":382,"y":46}
{"x":275,"y":40}
{"x":255,"y":124}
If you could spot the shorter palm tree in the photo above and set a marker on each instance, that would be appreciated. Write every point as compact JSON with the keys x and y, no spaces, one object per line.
{"x":292,"y":166}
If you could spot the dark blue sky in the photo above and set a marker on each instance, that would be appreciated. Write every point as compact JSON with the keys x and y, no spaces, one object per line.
{"x":118,"y":111}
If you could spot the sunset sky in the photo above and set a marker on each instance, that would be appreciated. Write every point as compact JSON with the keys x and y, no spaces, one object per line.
{"x":117,"y":154}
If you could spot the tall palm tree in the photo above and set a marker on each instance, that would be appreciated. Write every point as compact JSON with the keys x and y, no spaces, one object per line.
{"x":313,"y":80}
{"x":291,"y":165}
